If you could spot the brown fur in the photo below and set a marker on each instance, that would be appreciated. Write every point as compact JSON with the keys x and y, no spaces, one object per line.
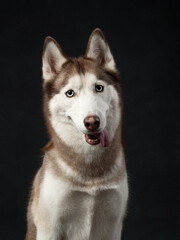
{"x":31,"y":229}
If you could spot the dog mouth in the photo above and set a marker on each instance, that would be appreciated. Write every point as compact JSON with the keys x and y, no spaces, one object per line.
{"x":96,"y":138}
{"x":92,"y":139}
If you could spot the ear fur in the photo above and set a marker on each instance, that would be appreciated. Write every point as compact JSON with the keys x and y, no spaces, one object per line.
{"x":98,"y":49}
{"x":52,"y":58}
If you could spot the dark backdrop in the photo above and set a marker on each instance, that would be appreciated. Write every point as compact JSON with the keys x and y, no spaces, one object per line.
{"x":144,"y":38}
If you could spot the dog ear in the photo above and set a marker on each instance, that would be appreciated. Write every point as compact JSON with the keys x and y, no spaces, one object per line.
{"x":98,"y":49}
{"x":52,"y":58}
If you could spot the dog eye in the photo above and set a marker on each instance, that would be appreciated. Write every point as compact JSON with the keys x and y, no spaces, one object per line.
{"x":70,"y":93}
{"x":99,"y":88}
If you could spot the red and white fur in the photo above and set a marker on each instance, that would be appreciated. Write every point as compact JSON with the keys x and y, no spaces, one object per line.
{"x":81,"y":191}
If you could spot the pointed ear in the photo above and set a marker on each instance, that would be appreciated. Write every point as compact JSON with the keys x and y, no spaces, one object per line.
{"x":98,"y":49}
{"x":52,"y":58}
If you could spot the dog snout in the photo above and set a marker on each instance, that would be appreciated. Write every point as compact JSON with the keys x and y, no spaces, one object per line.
{"x":92,"y":123}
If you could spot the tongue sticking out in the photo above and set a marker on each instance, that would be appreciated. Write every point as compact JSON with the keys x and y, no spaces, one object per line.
{"x":104,"y":138}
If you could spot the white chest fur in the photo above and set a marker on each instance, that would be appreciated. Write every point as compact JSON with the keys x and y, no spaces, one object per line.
{"x":79,"y":215}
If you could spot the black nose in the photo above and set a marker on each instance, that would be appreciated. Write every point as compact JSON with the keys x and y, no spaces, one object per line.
{"x":92,"y":123}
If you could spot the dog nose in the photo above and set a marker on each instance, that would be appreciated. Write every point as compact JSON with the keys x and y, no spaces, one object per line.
{"x":92,"y":123}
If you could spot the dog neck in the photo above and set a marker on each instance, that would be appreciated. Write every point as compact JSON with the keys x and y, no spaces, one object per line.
{"x":92,"y":164}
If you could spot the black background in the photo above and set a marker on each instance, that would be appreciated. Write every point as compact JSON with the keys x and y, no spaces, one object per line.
{"x":144,"y":38}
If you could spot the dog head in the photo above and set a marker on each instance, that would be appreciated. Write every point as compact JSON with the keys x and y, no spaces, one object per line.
{"x":81,"y":96}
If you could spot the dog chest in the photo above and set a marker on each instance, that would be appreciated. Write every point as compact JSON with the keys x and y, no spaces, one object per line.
{"x":79,"y":214}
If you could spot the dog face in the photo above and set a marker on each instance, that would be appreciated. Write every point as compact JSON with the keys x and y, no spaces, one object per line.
{"x":83,"y":94}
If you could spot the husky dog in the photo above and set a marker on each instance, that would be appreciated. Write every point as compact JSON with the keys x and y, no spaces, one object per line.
{"x":81,"y":191}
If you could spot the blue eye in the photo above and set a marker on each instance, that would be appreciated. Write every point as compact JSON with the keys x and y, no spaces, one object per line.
{"x":70,"y":93}
{"x":99,"y":88}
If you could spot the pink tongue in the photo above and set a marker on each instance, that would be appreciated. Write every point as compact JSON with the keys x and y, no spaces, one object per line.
{"x":104,"y":138}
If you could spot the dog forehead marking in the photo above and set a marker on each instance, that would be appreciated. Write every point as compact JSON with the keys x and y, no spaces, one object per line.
{"x":79,"y":81}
